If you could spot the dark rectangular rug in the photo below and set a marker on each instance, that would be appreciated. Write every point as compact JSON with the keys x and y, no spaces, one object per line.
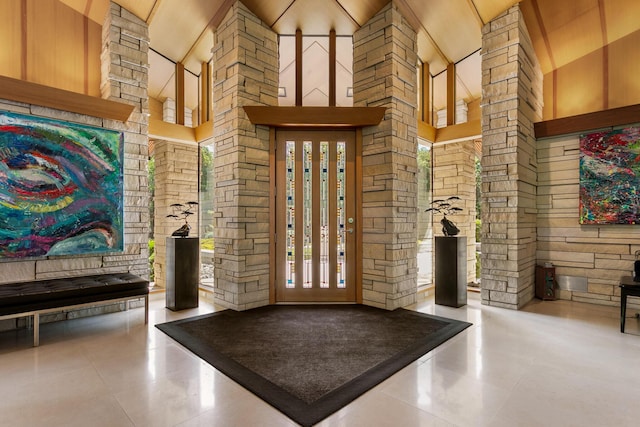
{"x":308,"y":361}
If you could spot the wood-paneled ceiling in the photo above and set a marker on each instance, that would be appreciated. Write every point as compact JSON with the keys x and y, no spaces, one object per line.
{"x":563,"y":31}
{"x":448,"y":30}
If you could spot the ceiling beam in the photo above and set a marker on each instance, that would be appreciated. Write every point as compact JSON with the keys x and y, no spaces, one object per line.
{"x":459,"y":132}
{"x":87,"y":8}
{"x":349,"y":117}
{"x":543,"y":32}
{"x":196,"y":43}
{"x":171,"y":132}
{"x":451,"y":94}
{"x":282,"y":14}
{"x":153,"y":11}
{"x":179,"y":93}
{"x":425,"y":95}
{"x":64,"y":100}
{"x":348,"y":14}
{"x":417,"y":25}
{"x":474,"y":9}
{"x":298,"y":68}
{"x":605,"y":56}
{"x":426,"y":131}
{"x":332,"y":68}
{"x":587,"y":122}
{"x":219,"y":16}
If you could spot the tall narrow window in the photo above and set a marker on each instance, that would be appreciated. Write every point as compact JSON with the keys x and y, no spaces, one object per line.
{"x":315,"y":71}
{"x":207,"y":208}
{"x":425,"y":229}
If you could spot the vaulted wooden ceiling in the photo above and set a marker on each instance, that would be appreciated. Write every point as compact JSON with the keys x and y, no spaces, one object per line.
{"x":563,"y":31}
{"x":448,"y":30}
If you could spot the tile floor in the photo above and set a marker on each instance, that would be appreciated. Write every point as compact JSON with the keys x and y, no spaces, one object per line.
{"x":555,"y":363}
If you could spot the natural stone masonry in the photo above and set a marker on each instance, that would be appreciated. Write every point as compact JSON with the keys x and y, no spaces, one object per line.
{"x":512,"y":96}
{"x":245,"y":73}
{"x":125,"y":70}
{"x":454,"y":174}
{"x":601,"y":254}
{"x":124,"y":79}
{"x":176,"y":176}
{"x":384,"y":75}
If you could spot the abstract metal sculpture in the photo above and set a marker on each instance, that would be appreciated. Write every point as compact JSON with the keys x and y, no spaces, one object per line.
{"x":445,"y":207}
{"x":181,"y":211}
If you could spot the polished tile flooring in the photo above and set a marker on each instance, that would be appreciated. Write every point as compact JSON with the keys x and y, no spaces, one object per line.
{"x":554,"y":363}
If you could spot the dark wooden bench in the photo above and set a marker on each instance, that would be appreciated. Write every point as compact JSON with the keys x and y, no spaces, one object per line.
{"x":31,"y":299}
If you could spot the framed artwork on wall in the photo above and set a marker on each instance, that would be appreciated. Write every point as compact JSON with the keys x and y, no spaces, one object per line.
{"x":610,"y":177}
{"x":61,"y":188}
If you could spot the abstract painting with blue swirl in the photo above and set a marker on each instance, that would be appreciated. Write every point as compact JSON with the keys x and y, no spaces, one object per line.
{"x":61,"y":188}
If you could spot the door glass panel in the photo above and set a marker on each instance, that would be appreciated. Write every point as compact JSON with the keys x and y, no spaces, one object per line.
{"x":307,"y":193}
{"x":324,"y":214}
{"x":340,"y":212}
{"x":291,"y":214}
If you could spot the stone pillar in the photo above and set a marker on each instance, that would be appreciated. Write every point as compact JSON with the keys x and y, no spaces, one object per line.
{"x":169,"y":110}
{"x":454,"y":174}
{"x":384,"y":75}
{"x":125,"y":69}
{"x":512,"y":102}
{"x":245,"y":73}
{"x":176,"y":182}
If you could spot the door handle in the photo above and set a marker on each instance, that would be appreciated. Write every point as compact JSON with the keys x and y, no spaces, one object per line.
{"x":349,"y":230}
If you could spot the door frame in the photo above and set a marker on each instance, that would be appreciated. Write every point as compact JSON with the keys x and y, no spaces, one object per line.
{"x":357,"y":263}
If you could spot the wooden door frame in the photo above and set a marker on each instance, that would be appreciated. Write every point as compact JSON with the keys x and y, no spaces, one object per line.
{"x":357,"y":263}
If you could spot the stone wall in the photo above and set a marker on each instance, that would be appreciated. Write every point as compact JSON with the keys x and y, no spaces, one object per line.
{"x":125,"y":69}
{"x":176,"y":178}
{"x":512,"y":96}
{"x":454,"y":174}
{"x":245,"y":73}
{"x":384,"y":75}
{"x":599,"y":253}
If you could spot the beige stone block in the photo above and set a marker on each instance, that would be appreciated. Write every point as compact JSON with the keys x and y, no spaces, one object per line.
{"x":374,"y":298}
{"x":72,"y":266}
{"x":612,"y":264}
{"x":17,"y":271}
{"x":601,"y":289}
{"x":510,"y":300}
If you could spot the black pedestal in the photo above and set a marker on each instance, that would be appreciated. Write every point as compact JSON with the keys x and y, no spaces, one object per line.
{"x":183,"y":272}
{"x":451,"y":271}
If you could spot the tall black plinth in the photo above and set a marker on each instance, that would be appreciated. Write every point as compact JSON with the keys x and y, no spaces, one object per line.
{"x":183,"y":272}
{"x":451,"y":271}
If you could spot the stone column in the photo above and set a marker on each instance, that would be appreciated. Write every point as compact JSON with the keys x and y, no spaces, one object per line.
{"x":245,"y":73}
{"x":512,"y":102}
{"x":384,"y":75}
{"x":176,"y":182}
{"x":454,"y":174}
{"x":125,"y":69}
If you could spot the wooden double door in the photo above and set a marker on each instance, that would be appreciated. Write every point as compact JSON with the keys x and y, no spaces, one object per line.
{"x":315,"y":216}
